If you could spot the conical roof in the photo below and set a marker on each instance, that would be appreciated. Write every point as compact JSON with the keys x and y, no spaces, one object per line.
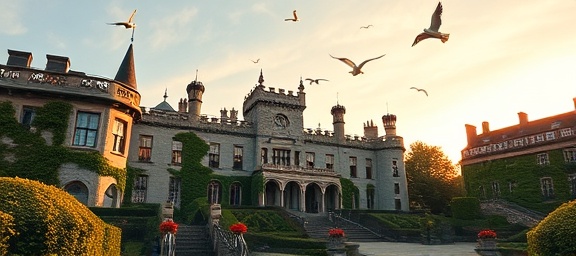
{"x":127,"y":73}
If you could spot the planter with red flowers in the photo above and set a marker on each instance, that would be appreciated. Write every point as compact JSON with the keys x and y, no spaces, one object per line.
{"x":336,"y":238}
{"x":168,"y":226}
{"x":487,"y":243}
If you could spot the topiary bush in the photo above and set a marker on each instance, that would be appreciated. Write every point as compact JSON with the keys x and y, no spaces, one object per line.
{"x":49,"y":221}
{"x":6,"y":231}
{"x":555,"y":234}
{"x":466,"y":208}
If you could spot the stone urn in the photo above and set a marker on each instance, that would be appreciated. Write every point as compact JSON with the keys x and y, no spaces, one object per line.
{"x":487,"y":247}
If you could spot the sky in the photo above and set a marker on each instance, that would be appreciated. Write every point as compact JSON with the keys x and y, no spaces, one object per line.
{"x":502,"y":57}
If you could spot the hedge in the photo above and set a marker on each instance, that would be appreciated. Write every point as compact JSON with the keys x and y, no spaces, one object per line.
{"x":555,"y":234}
{"x":49,"y":221}
{"x":465,"y":208}
{"x":6,"y":231}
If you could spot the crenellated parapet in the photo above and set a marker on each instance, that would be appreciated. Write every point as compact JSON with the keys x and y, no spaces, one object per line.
{"x":327,"y":138}
{"x":269,"y":96}
{"x":181,"y":121}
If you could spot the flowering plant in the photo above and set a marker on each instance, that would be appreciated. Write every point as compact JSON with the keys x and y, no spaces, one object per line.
{"x":486,"y":233}
{"x":168,"y":226}
{"x":238,"y":228}
{"x":336,"y":232}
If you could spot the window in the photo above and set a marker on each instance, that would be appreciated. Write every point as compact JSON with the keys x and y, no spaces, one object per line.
{"x":28,"y":114}
{"x":139,"y":189}
{"x":481,"y":192}
{"x":330,"y":162}
{"x":547,"y":187}
{"x":495,"y":189}
{"x":370,"y":196}
{"x":86,"y":129}
{"x":118,"y":131}
{"x":214,"y":192}
{"x":572,"y":184}
{"x":174,"y":190}
{"x":297,"y":158}
{"x":397,"y":188}
{"x":238,"y":153}
{"x":235,"y":194}
{"x":397,"y":204}
{"x":264,"y":155}
{"x":550,"y":136}
{"x":145,"y":150}
{"x":565,"y":132}
{"x":368,"y":168}
{"x":281,"y":157}
{"x":214,"y":155}
{"x":542,"y":159}
{"x":570,"y":155}
{"x":395,"y":168}
{"x":511,"y":186}
{"x":309,"y":160}
{"x":353,"y":162}
{"x":176,"y":152}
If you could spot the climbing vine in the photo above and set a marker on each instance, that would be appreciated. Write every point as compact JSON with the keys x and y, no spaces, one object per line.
{"x":349,"y":191}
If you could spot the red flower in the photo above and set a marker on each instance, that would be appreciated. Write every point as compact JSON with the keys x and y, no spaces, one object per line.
{"x":336,"y":232}
{"x":487,"y":233}
{"x":168,"y":226}
{"x":238,"y":228}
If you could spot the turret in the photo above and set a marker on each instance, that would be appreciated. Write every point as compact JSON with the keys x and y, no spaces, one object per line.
{"x":195,"y":91}
{"x":389,"y":125}
{"x":338,"y":112}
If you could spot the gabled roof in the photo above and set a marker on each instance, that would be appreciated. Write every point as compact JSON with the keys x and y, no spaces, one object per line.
{"x":127,"y":73}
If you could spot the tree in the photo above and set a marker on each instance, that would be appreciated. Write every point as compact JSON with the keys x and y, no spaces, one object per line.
{"x":432,"y":178}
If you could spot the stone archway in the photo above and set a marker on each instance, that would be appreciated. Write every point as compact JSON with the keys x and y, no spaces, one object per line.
{"x":272,"y":193}
{"x":313,"y":198}
{"x":78,"y":190}
{"x":332,"y":198}
{"x":111,"y":197}
{"x":292,"y":196}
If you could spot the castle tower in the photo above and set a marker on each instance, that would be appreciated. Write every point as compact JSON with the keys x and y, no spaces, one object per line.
{"x":338,"y":112}
{"x":195,"y":91}
{"x":126,"y":72}
{"x":370,"y":130}
{"x":389,"y":125}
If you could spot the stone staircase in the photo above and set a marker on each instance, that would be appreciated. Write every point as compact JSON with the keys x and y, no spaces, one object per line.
{"x":193,"y":241}
{"x":513,"y":213}
{"x":317,"y":226}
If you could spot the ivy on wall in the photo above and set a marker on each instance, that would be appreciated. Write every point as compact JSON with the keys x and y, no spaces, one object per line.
{"x":24,"y":153}
{"x":518,"y":180}
{"x":349,"y":190}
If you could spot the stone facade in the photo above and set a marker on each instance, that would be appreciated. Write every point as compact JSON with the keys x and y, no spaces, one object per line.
{"x":301,"y":167}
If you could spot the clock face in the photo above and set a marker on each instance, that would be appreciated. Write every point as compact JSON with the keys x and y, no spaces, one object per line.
{"x":281,"y":121}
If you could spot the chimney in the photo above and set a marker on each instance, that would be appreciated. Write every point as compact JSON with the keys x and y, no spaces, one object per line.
{"x":57,"y":63}
{"x":485,"y":127}
{"x":233,"y":115}
{"x":223,"y":115}
{"x":470,"y":133}
{"x":370,"y":130}
{"x":523,"y":118}
{"x":19,"y":59}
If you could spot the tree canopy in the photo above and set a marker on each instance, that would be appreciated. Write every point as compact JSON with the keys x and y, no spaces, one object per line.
{"x":432,"y":178}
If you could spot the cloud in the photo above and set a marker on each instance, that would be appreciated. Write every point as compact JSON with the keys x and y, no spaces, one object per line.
{"x":173,"y":28}
{"x":10,"y":19}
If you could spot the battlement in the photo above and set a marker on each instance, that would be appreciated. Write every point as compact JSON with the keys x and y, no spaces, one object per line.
{"x":327,"y":137}
{"x":284,"y":97}
{"x":178,"y":119}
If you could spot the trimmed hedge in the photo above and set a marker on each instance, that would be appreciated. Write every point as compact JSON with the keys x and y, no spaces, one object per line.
{"x":6,"y":231}
{"x":466,"y":208}
{"x":50,"y":221}
{"x":555,"y":234}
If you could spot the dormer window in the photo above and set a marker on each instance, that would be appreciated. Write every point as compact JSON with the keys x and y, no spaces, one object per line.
{"x":556,"y":125}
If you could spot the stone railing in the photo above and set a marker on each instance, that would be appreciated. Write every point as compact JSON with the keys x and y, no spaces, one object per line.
{"x":297,"y":168}
{"x":224,"y":241}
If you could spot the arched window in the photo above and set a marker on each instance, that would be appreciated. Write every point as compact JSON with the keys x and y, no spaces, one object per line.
{"x":214,"y":192}
{"x":78,"y":190}
{"x":235,"y":194}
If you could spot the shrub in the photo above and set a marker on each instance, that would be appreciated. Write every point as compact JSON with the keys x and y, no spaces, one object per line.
{"x":50,"y":221}
{"x":555,"y":234}
{"x":465,"y":208}
{"x":6,"y":231}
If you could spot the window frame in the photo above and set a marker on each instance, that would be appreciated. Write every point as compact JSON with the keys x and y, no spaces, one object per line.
{"x":353,"y":161}
{"x":214,"y":155}
{"x":139,"y":192}
{"x":310,"y":159}
{"x":176,"y":152}
{"x":330,"y":161}
{"x":238,"y":157}
{"x":146,"y":142}
{"x":368,"y":168}
{"x":119,"y":141}
{"x":82,"y":134}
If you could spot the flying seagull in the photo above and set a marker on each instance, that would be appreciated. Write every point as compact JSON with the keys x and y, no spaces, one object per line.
{"x":293,"y":19}
{"x":420,"y":90}
{"x":127,"y":24}
{"x":355,"y":69}
{"x":315,"y":80}
{"x":433,"y":32}
{"x":255,"y":61}
{"x":366,"y":26}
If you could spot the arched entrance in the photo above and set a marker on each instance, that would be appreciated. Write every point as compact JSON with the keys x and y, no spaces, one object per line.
{"x":313,"y":197}
{"x":235,"y":194}
{"x":78,"y":190}
{"x":272,"y":191}
{"x":332,"y":198}
{"x":214,"y":192}
{"x":292,"y":196}
{"x":111,"y":197}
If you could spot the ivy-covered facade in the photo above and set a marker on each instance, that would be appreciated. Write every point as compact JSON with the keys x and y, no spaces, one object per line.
{"x":267,"y":159}
{"x":66,"y":128}
{"x":532,"y":163}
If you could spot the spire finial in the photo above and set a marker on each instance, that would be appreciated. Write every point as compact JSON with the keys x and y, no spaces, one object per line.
{"x":261,"y":79}
{"x":196,"y":78}
{"x":387,"y":112}
{"x":337,"y":99}
{"x":165,"y":94}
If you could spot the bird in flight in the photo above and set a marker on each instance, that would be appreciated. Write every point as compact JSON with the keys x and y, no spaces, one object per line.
{"x":293,"y":19}
{"x":127,"y":24}
{"x":255,"y":61}
{"x":356,"y":69}
{"x":433,"y":32}
{"x":366,"y":27}
{"x":420,"y":90}
{"x":315,"y":80}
